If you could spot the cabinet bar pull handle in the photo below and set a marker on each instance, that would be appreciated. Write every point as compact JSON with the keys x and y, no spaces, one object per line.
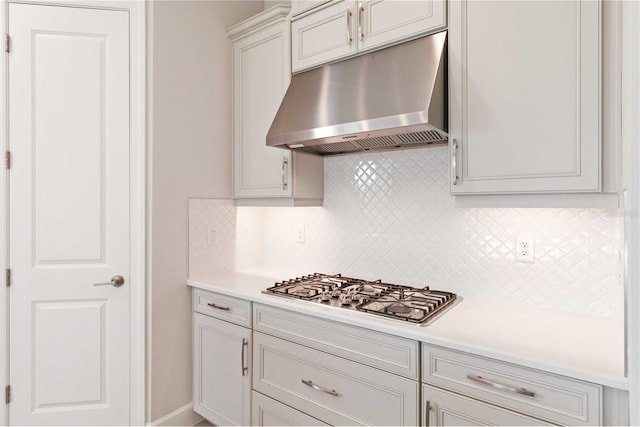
{"x":319,"y":388}
{"x":454,"y":162}
{"x":244,"y":368}
{"x":349,"y":38}
{"x":503,"y":387}
{"x":285,"y":163}
{"x":219,"y":307}
{"x":361,"y":21}
{"x":427,"y":412}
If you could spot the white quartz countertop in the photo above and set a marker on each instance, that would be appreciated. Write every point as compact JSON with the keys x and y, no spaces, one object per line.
{"x":580,"y":346}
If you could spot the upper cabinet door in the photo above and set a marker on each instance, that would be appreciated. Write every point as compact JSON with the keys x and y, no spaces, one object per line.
{"x":382,"y":22}
{"x":324,"y":36}
{"x":261,"y":76}
{"x":299,"y":6}
{"x":525,"y":96}
{"x":345,"y":28}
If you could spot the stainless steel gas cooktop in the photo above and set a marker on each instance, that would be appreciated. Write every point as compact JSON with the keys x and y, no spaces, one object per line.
{"x":395,"y":301}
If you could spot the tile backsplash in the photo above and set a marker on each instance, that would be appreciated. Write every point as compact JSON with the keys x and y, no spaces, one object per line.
{"x":389,"y":216}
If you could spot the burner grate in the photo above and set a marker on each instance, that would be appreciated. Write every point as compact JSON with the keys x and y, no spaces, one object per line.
{"x":375,"y":297}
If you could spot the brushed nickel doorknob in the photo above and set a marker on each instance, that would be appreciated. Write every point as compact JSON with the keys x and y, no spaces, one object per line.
{"x":116,"y":281}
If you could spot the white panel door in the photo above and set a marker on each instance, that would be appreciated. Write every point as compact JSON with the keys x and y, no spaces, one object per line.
{"x":69,"y":215}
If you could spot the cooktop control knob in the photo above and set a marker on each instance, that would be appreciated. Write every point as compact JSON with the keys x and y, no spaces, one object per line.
{"x":345,"y":299}
{"x":326,"y":296}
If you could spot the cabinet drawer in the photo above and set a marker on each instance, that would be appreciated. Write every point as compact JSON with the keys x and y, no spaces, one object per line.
{"x":223,"y":307}
{"x":450,"y":409}
{"x":555,"y":398}
{"x":332,"y":389}
{"x":268,"y":412}
{"x":387,"y":352}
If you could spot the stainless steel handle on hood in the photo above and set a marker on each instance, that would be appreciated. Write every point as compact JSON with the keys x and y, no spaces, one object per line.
{"x":349,"y":38}
{"x":285,"y":163}
{"x":454,"y":162}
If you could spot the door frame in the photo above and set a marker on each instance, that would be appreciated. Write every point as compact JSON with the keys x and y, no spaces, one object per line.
{"x":137,"y":195}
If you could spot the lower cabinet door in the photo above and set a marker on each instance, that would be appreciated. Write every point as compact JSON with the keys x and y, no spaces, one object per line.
{"x":268,"y":412}
{"x":222,"y":371}
{"x":443,"y":408}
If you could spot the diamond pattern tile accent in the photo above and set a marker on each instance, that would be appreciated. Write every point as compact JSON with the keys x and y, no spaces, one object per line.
{"x":205,"y":214}
{"x":389,"y":216}
{"x":239,"y":237}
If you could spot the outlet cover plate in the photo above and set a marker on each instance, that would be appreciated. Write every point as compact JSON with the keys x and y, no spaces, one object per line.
{"x":524,"y":249}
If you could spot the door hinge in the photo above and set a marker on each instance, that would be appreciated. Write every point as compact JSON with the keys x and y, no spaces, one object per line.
{"x":8,"y":276}
{"x":7,"y":394}
{"x":7,"y":159}
{"x":7,"y":42}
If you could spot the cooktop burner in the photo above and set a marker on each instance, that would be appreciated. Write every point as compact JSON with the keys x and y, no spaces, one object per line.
{"x":395,"y":301}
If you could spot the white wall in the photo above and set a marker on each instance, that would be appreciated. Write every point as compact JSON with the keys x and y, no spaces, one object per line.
{"x":190,"y":156}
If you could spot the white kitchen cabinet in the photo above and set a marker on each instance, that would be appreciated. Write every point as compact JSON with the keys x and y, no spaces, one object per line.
{"x":269,"y":412}
{"x":299,"y":6}
{"x":554,"y":398}
{"x":344,"y":28}
{"x":383,"y":351}
{"x":332,"y":389}
{"x":261,"y":74}
{"x":223,"y":307}
{"x":221,"y":359}
{"x":442,"y":408}
{"x":525,"y":96}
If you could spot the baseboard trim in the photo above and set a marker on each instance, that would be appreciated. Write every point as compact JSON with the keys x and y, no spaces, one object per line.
{"x":183,"y":416}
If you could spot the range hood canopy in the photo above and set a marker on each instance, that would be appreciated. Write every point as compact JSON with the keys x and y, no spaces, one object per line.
{"x":392,"y":98}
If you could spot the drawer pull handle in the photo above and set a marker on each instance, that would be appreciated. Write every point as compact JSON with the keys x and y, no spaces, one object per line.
{"x":360,"y":21}
{"x":245,"y":344}
{"x":349,"y":38}
{"x":454,"y":162}
{"x":319,"y":388}
{"x":427,"y":413}
{"x":285,"y":164}
{"x":219,"y":307}
{"x":499,"y":386}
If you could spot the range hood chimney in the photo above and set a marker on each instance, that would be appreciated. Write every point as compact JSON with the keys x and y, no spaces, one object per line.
{"x":392,"y":98}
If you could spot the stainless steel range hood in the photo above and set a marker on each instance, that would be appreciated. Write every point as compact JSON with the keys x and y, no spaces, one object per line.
{"x":395,"y":97}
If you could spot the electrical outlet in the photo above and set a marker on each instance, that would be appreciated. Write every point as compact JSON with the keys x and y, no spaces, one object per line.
{"x":525,"y":249}
{"x":212,"y":236}
{"x":300,"y":234}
